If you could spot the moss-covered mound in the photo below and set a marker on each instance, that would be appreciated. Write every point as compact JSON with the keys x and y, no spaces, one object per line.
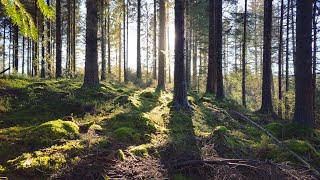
{"x":49,"y":133}
{"x":47,"y":160}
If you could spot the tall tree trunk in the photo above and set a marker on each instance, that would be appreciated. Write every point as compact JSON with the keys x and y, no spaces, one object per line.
{"x":48,"y":48}
{"x":23,"y":48}
{"x":314,"y":67}
{"x":255,"y":41}
{"x":194,"y":61}
{"x":154,"y":39}
{"x":304,"y":113}
{"x":16,"y":47}
{"x":108,"y":34}
{"x":10,"y":47}
{"x":127,"y":44}
{"x":91,"y":77}
{"x":124,"y":43}
{"x":138,"y":40}
{"x":74,"y":38}
{"x":103,"y":41}
{"x":4,"y":46}
{"x":180,"y":89}
{"x":212,"y":64}
{"x":280,"y":62}
{"x":287,"y":62}
{"x":120,"y":52}
{"x":293,"y":32}
{"x":187,"y":43}
{"x":162,"y":45}
{"x":58,"y":40}
{"x":68,"y":61}
{"x":218,"y":48}
{"x":43,"y":57}
{"x":244,"y":49}
{"x":266,"y":106}
{"x":168,"y":46}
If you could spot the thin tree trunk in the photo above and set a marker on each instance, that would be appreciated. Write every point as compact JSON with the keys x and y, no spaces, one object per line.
{"x":109,"y":43}
{"x":287,"y":62}
{"x":23,"y":47}
{"x":244,"y":48}
{"x":124,"y":43}
{"x":49,"y":57}
{"x":280,"y":62}
{"x":180,"y":89}
{"x":304,"y":113}
{"x":15,"y":48}
{"x":4,"y":46}
{"x":43,"y":58}
{"x":266,"y":106}
{"x":103,"y":41}
{"x":138,"y":41}
{"x":74,"y":38}
{"x":155,"y":39}
{"x":195,"y":59}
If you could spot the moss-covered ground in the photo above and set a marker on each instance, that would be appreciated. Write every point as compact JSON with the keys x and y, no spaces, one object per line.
{"x":56,"y":128}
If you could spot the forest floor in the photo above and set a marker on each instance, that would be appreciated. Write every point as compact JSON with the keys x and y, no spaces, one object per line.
{"x":57,"y":130}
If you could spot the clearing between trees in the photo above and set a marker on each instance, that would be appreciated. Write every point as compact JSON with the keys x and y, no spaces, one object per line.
{"x":57,"y":130}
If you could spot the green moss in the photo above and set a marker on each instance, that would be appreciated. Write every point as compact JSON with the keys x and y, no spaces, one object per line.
{"x":221,"y":129}
{"x":50,"y":132}
{"x":147,"y":94}
{"x":295,"y":130}
{"x":127,"y":134}
{"x":96,"y":127}
{"x":120,"y":155}
{"x":2,"y":169}
{"x":253,"y":132}
{"x":300,"y":146}
{"x":275,"y":128}
{"x":47,"y":160}
{"x":141,"y":150}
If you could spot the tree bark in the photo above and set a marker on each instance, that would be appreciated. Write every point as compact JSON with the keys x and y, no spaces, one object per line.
{"x":287,"y":62}
{"x":91,"y":77}
{"x":266,"y":106}
{"x":4,"y":46}
{"x":180,"y":89}
{"x":58,"y":40}
{"x":244,"y":48}
{"x":103,"y":41}
{"x":212,"y":64}
{"x":109,"y":43}
{"x":303,"y":64}
{"x":154,"y":39}
{"x":15,"y":47}
{"x":218,"y":48}
{"x":162,"y":45}
{"x":138,"y":41}
{"x":280,"y":61}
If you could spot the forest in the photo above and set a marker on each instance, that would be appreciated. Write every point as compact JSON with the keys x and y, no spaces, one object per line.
{"x":159,"y":89}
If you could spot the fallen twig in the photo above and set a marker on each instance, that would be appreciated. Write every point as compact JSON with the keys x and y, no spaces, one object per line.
{"x":277,"y":141}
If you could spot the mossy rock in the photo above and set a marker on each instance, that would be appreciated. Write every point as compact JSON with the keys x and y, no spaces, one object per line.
{"x":276,"y":129}
{"x":49,"y":133}
{"x":48,"y":160}
{"x":141,"y":150}
{"x":147,"y":94}
{"x":127,"y":134}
